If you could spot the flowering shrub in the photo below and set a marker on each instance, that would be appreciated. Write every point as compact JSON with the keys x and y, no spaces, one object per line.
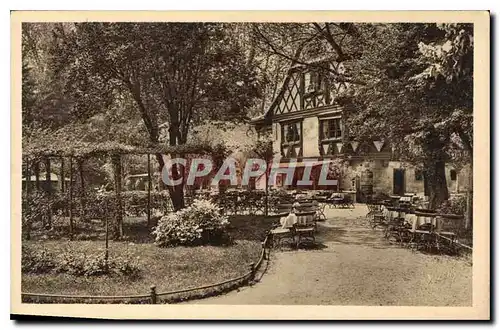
{"x":124,"y":266}
{"x":40,"y":261}
{"x":71,"y":263}
{"x":200,"y":223}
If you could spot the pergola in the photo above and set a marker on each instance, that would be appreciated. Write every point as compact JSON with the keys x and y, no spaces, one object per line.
{"x":42,"y":149}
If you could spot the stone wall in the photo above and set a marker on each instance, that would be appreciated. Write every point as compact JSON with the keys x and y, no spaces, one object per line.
{"x":383,"y":174}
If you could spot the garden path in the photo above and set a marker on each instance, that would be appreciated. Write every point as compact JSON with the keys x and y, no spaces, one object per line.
{"x":354,"y":265}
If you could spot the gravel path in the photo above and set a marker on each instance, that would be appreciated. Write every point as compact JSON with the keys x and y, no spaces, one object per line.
{"x":354,"y":265}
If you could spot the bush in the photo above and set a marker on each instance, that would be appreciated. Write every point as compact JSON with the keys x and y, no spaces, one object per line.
{"x":96,"y":265}
{"x":124,"y":266}
{"x":133,"y":202}
{"x":40,"y":261}
{"x":201,"y":223}
{"x":71,"y":263}
{"x":78,"y":264}
{"x":34,"y":207}
{"x":457,"y":204}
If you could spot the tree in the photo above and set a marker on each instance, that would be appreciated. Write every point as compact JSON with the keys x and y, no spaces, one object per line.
{"x":448,"y":82}
{"x":178,"y":73}
{"x":409,"y":97}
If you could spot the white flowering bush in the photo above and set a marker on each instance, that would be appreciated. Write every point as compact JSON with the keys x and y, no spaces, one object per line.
{"x":201,"y":223}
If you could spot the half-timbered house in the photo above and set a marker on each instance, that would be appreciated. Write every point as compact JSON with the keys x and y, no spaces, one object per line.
{"x":306,"y":124}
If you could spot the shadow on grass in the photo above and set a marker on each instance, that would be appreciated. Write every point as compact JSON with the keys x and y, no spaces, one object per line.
{"x":249,"y":227}
{"x":359,"y":236}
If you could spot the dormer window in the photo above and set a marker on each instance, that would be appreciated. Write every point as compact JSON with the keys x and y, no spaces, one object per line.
{"x":315,"y":90}
{"x":314,"y":82}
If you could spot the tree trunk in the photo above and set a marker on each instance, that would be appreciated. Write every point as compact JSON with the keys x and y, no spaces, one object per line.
{"x":266,"y":212}
{"x":176,"y":195}
{"x":176,"y":192}
{"x":466,"y":140}
{"x":436,"y":181}
{"x":118,"y":221}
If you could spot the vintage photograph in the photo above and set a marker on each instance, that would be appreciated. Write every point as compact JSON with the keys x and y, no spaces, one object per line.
{"x":324,"y":163}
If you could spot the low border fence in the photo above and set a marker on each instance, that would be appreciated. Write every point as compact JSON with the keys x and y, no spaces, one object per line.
{"x":153,"y":297}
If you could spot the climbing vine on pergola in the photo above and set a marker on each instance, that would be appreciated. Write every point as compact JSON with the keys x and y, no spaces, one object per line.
{"x":46,"y":148}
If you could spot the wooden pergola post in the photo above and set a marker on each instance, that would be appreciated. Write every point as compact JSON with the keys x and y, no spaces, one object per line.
{"x":27,"y":178}
{"x":117,"y":170}
{"x":82,"y":189}
{"x":37,"y":174}
{"x":106,"y":255}
{"x":63,"y":180}
{"x":149,"y":189}
{"x":70,"y":198}
{"x":48,"y":183}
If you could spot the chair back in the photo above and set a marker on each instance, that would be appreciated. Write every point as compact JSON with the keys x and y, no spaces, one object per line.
{"x":304,"y":207}
{"x":305,"y":218}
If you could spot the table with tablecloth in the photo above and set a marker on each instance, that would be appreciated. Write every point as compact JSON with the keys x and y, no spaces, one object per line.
{"x":390,"y":213}
{"x":418,"y":220}
{"x":415,"y":220}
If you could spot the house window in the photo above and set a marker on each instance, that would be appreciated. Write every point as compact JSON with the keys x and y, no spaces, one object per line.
{"x":453,"y":175}
{"x":307,"y":81}
{"x":291,"y":139}
{"x":291,"y":132}
{"x":330,"y":129}
{"x":419,"y":175}
{"x":314,"y":82}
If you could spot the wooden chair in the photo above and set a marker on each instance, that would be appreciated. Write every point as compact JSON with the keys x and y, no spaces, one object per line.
{"x":279,"y":235}
{"x":446,"y":232}
{"x":375,"y":215}
{"x":422,"y":231}
{"x":320,"y":211}
{"x":305,"y":227}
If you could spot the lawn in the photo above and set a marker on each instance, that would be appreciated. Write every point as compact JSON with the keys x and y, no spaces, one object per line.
{"x":166,"y":268}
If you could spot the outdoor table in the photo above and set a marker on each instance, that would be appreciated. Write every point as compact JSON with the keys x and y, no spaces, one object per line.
{"x":406,"y":199}
{"x":393,"y":212}
{"x":421,"y":219}
{"x":388,"y":214}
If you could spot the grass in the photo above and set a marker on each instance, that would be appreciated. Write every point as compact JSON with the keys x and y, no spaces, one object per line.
{"x":166,"y":268}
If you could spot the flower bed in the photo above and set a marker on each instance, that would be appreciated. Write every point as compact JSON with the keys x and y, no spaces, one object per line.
{"x":169,"y":269}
